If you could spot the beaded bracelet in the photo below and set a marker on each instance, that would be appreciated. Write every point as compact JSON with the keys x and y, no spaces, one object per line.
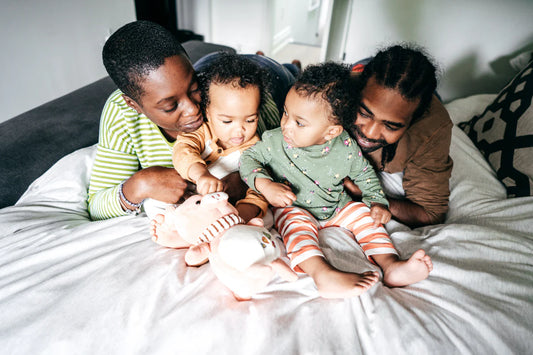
{"x":123,"y":198}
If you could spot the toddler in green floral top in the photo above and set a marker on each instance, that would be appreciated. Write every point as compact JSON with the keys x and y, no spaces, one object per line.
{"x":300,"y":168}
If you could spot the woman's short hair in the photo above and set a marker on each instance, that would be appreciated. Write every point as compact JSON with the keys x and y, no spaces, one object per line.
{"x":134,"y":51}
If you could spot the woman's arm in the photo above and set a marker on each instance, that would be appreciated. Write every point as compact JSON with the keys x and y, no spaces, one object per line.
{"x":117,"y":164}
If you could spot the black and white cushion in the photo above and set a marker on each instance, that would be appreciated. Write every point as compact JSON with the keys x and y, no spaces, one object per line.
{"x":504,"y":134}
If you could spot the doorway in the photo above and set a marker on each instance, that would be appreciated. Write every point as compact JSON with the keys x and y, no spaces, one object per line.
{"x":164,"y":12}
{"x":310,"y":30}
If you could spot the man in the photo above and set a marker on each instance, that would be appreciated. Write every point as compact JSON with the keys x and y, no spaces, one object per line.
{"x":405,"y":131}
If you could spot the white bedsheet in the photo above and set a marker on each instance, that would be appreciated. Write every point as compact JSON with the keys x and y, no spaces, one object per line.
{"x":72,"y":286}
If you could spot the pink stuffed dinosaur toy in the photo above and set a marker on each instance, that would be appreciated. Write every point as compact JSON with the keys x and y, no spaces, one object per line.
{"x":244,"y":257}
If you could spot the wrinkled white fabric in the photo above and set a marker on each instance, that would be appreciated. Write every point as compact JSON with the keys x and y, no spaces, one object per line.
{"x":392,"y":184}
{"x":72,"y":286}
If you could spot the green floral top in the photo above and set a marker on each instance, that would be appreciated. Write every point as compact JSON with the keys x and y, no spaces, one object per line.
{"x":314,"y":173}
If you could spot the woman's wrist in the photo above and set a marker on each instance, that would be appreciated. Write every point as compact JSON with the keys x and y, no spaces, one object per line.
{"x":125,"y":203}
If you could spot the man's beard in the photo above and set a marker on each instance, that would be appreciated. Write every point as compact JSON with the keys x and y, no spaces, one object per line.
{"x":379,"y":143}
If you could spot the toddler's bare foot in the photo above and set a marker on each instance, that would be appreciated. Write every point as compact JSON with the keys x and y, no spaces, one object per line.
{"x":163,"y":230}
{"x":410,"y":271}
{"x":332,"y":283}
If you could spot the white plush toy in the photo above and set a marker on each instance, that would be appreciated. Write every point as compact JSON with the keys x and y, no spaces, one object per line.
{"x":244,"y":257}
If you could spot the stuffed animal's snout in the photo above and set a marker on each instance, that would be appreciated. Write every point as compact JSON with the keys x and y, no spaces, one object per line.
{"x":214,"y":198}
{"x":218,"y":201}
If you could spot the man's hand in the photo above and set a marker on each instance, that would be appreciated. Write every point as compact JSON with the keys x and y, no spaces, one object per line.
{"x":277,"y":194}
{"x":380,"y":214}
{"x":404,"y":211}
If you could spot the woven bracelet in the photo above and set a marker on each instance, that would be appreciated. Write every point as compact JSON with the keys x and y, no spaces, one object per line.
{"x":121,"y":194}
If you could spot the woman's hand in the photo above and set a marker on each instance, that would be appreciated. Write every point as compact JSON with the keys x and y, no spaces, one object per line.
{"x":157,"y":182}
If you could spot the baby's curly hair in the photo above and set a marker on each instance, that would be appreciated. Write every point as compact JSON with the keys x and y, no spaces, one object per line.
{"x":331,"y":82}
{"x":229,"y":68}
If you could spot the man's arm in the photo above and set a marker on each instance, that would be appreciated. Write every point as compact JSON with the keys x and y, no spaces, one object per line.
{"x":426,"y":179}
{"x":412,"y":214}
{"x":404,"y":211}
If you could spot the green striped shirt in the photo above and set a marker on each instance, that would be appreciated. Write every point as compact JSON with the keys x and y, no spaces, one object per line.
{"x":129,"y":141}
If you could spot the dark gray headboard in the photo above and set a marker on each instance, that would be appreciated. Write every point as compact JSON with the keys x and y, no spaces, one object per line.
{"x":33,"y":141}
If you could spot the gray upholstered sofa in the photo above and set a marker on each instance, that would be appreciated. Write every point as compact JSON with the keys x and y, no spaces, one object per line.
{"x":33,"y":141}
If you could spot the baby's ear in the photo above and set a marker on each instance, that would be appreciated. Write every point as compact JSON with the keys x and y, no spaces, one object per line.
{"x":333,"y":131}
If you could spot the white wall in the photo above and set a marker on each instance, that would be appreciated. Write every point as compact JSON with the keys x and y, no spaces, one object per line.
{"x":52,"y":47}
{"x":250,"y":25}
{"x":293,"y":23}
{"x":335,"y":42}
{"x":469,"y":39}
{"x":195,"y":15}
{"x":305,"y":23}
{"x":282,"y":29}
{"x":242,"y":24}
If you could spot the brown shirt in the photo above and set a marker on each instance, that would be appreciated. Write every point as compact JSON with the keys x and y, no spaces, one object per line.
{"x":422,"y":154}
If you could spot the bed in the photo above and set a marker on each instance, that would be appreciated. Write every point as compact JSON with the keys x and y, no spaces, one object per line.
{"x":69,"y":285}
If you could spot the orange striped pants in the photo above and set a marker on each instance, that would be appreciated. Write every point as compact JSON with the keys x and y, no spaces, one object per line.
{"x":299,"y":230}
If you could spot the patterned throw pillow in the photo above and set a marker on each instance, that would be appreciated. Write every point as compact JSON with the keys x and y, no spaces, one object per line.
{"x":504,"y":134}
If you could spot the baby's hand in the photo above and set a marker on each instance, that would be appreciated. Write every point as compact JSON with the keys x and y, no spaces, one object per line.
{"x":278,"y":195}
{"x":380,"y":213}
{"x":207,"y":184}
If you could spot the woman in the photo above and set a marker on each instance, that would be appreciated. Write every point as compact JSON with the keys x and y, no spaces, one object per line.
{"x":156,"y":100}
